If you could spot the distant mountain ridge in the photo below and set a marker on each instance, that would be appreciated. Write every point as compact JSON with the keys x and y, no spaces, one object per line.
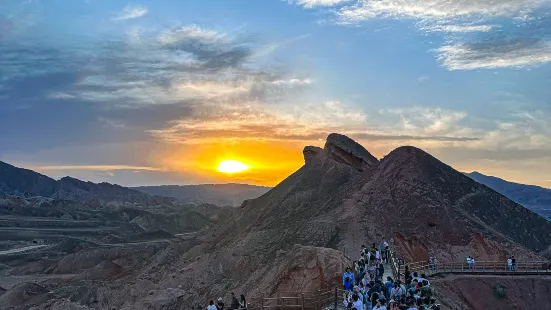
{"x":231,"y":194}
{"x":535,"y":198}
{"x":25,"y":182}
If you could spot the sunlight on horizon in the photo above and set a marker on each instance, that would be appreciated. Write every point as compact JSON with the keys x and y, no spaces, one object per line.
{"x":232,"y":166}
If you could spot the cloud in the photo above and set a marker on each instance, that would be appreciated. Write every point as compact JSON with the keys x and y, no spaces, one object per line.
{"x":458,"y":28}
{"x":95,"y":167}
{"x":131,"y":12}
{"x":499,"y":53}
{"x":60,"y":95}
{"x":376,"y":137}
{"x":423,"y":78}
{"x":315,"y":3}
{"x":436,"y":9}
{"x":481,"y":34}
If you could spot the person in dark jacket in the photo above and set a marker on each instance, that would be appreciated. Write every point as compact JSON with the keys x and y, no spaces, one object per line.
{"x":220,"y":304}
{"x":234,"y":302}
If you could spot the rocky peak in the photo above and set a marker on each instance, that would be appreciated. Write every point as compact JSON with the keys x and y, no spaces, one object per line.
{"x":345,"y":150}
{"x":310,"y":152}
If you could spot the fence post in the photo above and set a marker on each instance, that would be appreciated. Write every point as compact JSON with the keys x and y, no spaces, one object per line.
{"x":318,"y":306}
{"x":336,"y":297}
{"x":302,"y":295}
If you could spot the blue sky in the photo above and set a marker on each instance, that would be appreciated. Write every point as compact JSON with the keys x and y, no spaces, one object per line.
{"x":147,"y":92}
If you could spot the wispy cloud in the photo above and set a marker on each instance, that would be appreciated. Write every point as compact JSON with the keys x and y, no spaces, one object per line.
{"x":458,"y":28}
{"x":131,"y":12}
{"x":317,"y":3}
{"x":516,"y":31}
{"x":436,"y":9}
{"x":95,"y":167}
{"x":520,"y":52}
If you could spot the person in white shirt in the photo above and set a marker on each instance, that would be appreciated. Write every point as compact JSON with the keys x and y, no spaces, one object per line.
{"x":211,"y":305}
{"x":510,"y":264}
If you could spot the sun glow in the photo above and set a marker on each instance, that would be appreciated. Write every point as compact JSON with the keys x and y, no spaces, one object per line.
{"x":232,"y":166}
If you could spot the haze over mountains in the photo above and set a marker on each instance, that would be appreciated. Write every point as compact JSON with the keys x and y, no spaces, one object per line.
{"x":535,"y":198}
{"x":292,"y":238}
{"x":218,"y":194}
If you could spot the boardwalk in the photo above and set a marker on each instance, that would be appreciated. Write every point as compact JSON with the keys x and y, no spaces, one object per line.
{"x":479,"y":268}
{"x":327,"y":299}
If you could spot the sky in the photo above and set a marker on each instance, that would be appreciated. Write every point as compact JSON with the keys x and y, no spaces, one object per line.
{"x":160,"y":92}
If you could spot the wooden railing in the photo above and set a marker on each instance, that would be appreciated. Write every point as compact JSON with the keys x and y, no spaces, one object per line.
{"x":482,"y":267}
{"x":303,"y":300}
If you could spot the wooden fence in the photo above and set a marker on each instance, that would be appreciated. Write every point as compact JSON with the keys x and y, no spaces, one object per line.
{"x":482,"y":267}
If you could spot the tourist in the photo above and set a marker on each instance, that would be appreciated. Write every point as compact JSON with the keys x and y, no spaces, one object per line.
{"x":348,"y":284}
{"x":234,"y":302}
{"x":412,"y":305}
{"x":422,"y":278}
{"x":389,"y":283}
{"x":211,"y":305}
{"x":426,"y":292}
{"x":348,"y":274}
{"x":514,"y":262}
{"x":509,"y":264}
{"x":220,"y":304}
{"x":242,"y":302}
{"x":407,"y":273}
{"x":435,"y":264}
{"x":357,"y":302}
{"x":380,"y":305}
{"x":396,"y":292}
{"x":469,"y":262}
{"x":381,"y":271}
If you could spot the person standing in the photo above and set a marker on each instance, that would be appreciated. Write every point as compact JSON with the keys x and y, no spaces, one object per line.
{"x":243,"y":302}
{"x":234,"y":302}
{"x":514,"y":262}
{"x":348,"y":274}
{"x":509,"y":264}
{"x":220,"y":304}
{"x":211,"y":305}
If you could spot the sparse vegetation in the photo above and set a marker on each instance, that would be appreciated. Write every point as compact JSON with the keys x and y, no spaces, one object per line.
{"x":500,"y":292}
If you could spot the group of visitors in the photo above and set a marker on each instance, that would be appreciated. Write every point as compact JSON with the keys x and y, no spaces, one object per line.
{"x":235,"y":303}
{"x":365,"y":288}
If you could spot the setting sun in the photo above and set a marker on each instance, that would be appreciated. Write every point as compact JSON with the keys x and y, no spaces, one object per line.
{"x":232,"y":166}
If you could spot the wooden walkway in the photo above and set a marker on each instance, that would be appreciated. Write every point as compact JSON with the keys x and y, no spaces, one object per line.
{"x":480,"y":268}
{"x":328,"y":299}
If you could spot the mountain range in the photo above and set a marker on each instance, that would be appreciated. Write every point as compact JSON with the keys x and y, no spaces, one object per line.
{"x":296,"y":237}
{"x":24,"y":182}
{"x":535,"y":198}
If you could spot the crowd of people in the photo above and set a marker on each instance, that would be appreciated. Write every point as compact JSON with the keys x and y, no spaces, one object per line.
{"x":365,"y":288}
{"x":235,"y":303}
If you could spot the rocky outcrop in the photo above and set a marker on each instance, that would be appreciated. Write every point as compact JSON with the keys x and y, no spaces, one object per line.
{"x":310,"y":152}
{"x":23,"y":295}
{"x":492,"y":292}
{"x":345,"y":150}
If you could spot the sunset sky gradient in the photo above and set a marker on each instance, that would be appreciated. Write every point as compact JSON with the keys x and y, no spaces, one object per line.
{"x":160,"y":92}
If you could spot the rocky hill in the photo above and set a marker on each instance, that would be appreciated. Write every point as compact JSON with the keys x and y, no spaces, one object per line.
{"x":293,"y":237}
{"x":24,"y":182}
{"x":535,"y":198}
{"x":217,"y":194}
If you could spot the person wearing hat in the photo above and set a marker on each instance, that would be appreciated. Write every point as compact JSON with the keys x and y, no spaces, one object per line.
{"x":220,"y":304}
